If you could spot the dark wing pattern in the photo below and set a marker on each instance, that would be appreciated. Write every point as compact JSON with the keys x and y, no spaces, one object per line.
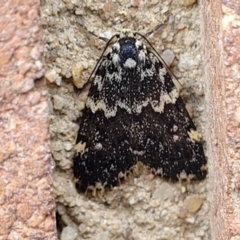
{"x":134,"y":113}
{"x":166,"y":134}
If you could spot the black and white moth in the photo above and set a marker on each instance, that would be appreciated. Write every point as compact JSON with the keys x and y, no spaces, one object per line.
{"x":134,"y":113}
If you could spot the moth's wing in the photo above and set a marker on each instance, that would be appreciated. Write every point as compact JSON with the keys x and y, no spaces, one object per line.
{"x":165,"y":136}
{"x":103,"y":153}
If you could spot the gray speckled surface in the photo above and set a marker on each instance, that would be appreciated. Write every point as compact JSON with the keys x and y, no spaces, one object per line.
{"x":145,"y":207}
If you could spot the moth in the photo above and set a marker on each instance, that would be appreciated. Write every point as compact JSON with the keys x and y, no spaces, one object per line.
{"x":134,"y":113}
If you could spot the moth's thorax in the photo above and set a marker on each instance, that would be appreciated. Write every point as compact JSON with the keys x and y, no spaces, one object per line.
{"x":128,"y":53}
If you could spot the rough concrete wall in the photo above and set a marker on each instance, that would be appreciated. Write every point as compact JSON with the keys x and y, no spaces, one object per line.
{"x":26,"y":198}
{"x":222,"y":47}
{"x":146,"y":207}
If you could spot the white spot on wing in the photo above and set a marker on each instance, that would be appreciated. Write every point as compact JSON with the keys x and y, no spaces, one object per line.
{"x":80,"y":147}
{"x":98,"y":146}
{"x":194,"y":136}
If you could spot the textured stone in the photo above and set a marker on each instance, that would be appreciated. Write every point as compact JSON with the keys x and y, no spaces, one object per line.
{"x":221,"y":61}
{"x":26,"y":200}
{"x":168,"y":57}
{"x":193,"y":203}
{"x":51,"y":75}
{"x":68,"y":233}
{"x":163,"y":192}
{"x":77,"y":69}
{"x":145,"y":206}
{"x":187,"y":3}
{"x":58,"y":102}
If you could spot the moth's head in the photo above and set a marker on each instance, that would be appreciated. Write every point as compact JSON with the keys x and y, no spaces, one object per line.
{"x":126,"y":33}
{"x":128,"y":52}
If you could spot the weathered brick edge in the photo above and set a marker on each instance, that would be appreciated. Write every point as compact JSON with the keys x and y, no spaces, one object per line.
{"x":221,"y":33}
{"x":26,"y":197}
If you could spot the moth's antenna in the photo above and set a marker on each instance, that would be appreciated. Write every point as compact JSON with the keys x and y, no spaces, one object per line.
{"x":94,"y":34}
{"x":109,"y":41}
{"x":153,"y":30}
{"x":99,"y":37}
